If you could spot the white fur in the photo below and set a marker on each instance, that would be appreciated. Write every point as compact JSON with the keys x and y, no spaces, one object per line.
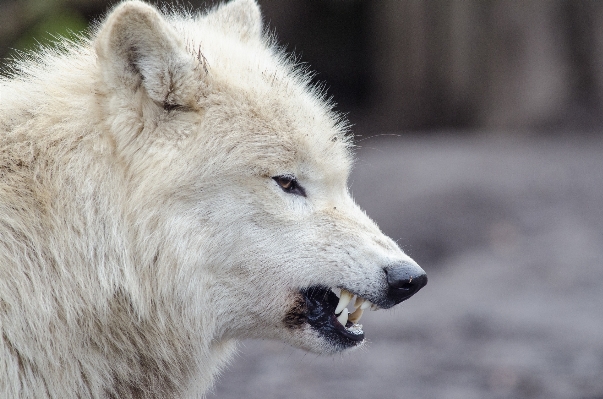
{"x":141,"y":232}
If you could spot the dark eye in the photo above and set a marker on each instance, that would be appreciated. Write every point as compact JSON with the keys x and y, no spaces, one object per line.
{"x":290,"y":185}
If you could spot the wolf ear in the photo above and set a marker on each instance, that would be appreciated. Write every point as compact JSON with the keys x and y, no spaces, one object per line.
{"x":243,"y":16}
{"x":136,"y":46}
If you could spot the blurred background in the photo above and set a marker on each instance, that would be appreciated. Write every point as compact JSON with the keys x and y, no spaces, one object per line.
{"x":411,"y":65}
{"x":480,"y":151}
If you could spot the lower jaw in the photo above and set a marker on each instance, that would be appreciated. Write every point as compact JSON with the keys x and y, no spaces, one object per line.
{"x":319,"y":343}
{"x":320,"y":306}
{"x":337,"y":342}
{"x":332,"y":347}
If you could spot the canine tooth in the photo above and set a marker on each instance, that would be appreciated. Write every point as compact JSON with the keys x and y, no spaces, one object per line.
{"x":343,"y":317}
{"x":359,"y":302}
{"x":344,"y":299}
{"x":355,"y":316}
{"x":362,"y":303}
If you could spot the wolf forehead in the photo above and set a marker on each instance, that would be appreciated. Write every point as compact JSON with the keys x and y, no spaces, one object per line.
{"x":255,"y":95}
{"x":274,"y":113}
{"x":269,"y":132}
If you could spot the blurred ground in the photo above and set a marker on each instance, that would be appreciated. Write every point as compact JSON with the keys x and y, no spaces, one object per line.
{"x":510,"y":231}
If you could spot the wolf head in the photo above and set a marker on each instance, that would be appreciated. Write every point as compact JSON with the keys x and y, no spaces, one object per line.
{"x":237,"y":172}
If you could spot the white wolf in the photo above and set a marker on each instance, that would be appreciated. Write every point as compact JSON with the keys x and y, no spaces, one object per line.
{"x":168,"y":187}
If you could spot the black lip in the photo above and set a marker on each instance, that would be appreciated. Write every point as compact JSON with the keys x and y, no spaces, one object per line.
{"x":321,"y":303}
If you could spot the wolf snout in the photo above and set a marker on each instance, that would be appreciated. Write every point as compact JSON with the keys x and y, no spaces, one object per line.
{"x":404,"y":279}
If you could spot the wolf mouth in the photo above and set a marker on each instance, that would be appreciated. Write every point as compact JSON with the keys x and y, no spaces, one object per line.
{"x":327,"y":314}
{"x":319,"y":308}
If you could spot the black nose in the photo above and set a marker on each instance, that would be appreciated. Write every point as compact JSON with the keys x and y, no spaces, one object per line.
{"x":404,"y":280}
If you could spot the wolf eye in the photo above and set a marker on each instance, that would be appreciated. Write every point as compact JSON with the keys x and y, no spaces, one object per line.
{"x":289,"y":185}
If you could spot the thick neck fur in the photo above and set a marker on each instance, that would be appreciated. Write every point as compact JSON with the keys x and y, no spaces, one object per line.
{"x":120,"y":312}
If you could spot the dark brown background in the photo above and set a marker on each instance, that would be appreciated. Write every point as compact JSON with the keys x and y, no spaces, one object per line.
{"x":413,"y":65}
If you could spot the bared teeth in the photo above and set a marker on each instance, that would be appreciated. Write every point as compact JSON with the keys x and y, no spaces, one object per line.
{"x":360,"y":305}
{"x":359,"y":302}
{"x":344,"y":299}
{"x":355,"y":316}
{"x":343,"y":317}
